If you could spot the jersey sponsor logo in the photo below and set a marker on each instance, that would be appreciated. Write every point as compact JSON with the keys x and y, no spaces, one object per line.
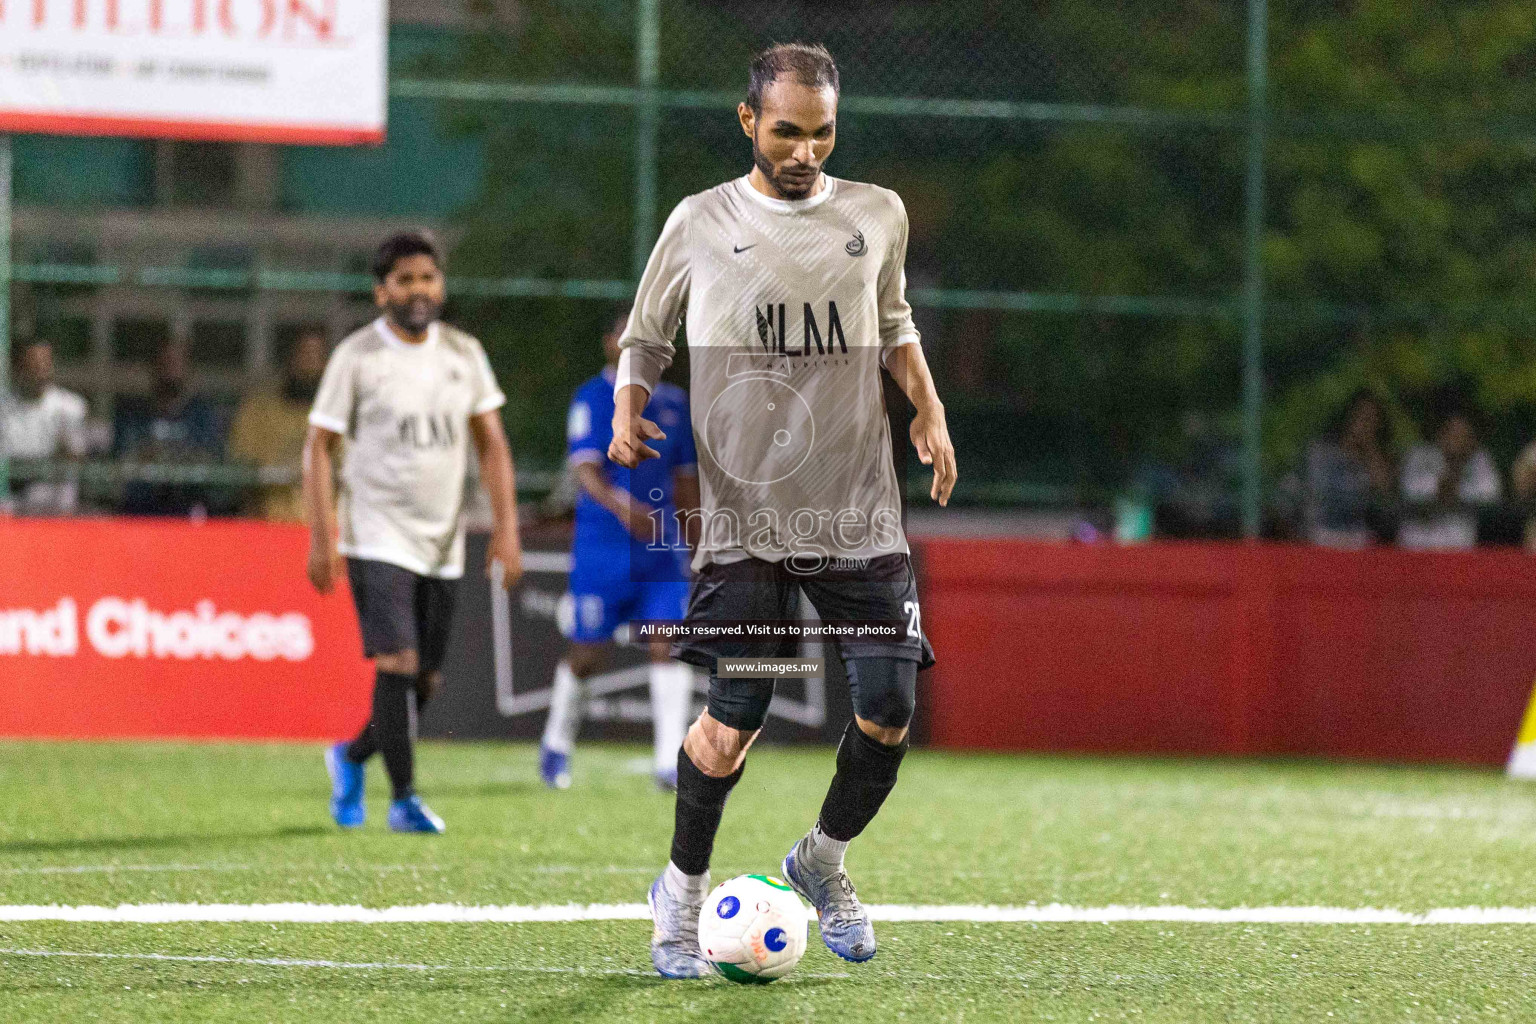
{"x":434,"y":430}
{"x":773,"y":328}
{"x":856,"y":247}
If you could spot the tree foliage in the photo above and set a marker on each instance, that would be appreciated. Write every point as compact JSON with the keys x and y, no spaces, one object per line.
{"x":1399,"y":214}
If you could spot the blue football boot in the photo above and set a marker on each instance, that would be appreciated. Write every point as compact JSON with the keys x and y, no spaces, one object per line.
{"x":845,"y":926}
{"x":675,"y":935}
{"x":346,"y":787}
{"x":409,"y":814}
{"x":555,"y":768}
{"x":666,"y":780}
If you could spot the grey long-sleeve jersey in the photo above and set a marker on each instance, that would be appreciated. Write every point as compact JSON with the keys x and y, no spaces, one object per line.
{"x":791,"y":307}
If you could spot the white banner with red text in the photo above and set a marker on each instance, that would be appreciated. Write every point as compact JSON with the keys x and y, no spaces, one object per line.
{"x":281,"y":71}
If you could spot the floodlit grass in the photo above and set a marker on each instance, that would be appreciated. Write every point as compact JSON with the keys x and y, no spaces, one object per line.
{"x":141,"y":823}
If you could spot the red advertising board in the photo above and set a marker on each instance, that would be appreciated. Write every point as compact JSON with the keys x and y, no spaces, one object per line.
{"x":142,"y":628}
{"x":121,"y":628}
{"x":1229,"y":649}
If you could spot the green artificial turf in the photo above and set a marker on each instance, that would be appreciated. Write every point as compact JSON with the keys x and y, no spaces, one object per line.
{"x":140,"y":823}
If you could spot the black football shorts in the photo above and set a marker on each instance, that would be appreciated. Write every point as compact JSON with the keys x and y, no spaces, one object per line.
{"x":882,"y":589}
{"x":397,"y":610}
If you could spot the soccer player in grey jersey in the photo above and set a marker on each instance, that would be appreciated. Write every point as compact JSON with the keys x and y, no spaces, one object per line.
{"x":793,"y":287}
{"x":408,"y":392}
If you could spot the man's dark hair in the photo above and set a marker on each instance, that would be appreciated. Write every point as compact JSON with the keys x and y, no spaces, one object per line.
{"x":401,"y":246}
{"x":806,"y":63}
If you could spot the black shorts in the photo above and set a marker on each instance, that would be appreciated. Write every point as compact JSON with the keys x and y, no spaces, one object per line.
{"x":398,"y":610}
{"x":882,"y":589}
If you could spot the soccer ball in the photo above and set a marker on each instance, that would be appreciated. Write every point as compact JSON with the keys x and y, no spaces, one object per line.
{"x":753,"y":929}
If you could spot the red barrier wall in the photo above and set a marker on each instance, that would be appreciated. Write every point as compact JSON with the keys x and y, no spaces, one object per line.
{"x":1229,"y":648}
{"x":165,"y":628}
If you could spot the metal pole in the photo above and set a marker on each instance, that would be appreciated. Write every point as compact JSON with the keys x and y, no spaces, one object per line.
{"x":5,"y":302}
{"x":1253,"y":272}
{"x":647,"y":124}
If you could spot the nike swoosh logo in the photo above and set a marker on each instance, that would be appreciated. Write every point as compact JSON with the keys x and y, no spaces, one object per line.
{"x":744,"y":248}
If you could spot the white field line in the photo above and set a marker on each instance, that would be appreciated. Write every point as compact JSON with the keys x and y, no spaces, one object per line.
{"x":343,"y":965}
{"x":454,"y":913}
{"x":361,"y":869}
{"x":111,"y":869}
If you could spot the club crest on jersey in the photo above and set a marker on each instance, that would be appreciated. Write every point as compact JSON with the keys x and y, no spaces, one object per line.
{"x":856,"y":247}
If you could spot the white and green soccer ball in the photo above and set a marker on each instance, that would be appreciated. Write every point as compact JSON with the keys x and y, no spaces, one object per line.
{"x":753,"y":929}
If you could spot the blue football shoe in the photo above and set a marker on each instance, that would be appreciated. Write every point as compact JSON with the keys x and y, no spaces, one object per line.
{"x":666,"y":780}
{"x":409,"y":814}
{"x":346,"y":787}
{"x":675,"y":935}
{"x":845,"y":926}
{"x":554,"y":768}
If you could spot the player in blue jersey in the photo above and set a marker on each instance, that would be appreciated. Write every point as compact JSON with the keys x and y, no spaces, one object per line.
{"x":627,"y":562}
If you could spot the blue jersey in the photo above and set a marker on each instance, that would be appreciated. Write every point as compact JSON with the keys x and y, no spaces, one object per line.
{"x":589,"y":430}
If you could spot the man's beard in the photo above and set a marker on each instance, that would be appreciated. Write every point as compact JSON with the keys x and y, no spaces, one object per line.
{"x":787,"y":189}
{"x":415,"y":315}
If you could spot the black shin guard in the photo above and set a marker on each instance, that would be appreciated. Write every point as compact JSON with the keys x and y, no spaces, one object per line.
{"x":393,"y":730}
{"x":700,"y":802}
{"x":866,"y":774}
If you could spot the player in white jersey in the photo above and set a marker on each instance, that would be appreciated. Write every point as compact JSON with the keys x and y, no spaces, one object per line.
{"x":407,"y":392}
{"x":793,"y":286}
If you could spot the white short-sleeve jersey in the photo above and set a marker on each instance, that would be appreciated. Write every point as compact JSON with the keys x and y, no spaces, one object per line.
{"x":405,"y":408}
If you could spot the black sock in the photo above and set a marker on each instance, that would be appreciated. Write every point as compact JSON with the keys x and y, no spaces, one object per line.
{"x":700,"y":802}
{"x":365,"y":745}
{"x":866,"y":774}
{"x":392,"y":730}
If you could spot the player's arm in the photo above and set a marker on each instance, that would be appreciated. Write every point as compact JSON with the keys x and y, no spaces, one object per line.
{"x":320,"y":447}
{"x":633,"y":513}
{"x":630,"y":429}
{"x":930,"y":432}
{"x":646,"y":350}
{"x":903,"y":355}
{"x":499,"y":480}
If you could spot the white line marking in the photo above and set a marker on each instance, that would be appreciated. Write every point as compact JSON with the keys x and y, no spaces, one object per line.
{"x":344,"y":965}
{"x":454,"y":913}
{"x":312,"y":913}
{"x":591,"y":869}
{"x":91,"y":869}
{"x":352,"y":868}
